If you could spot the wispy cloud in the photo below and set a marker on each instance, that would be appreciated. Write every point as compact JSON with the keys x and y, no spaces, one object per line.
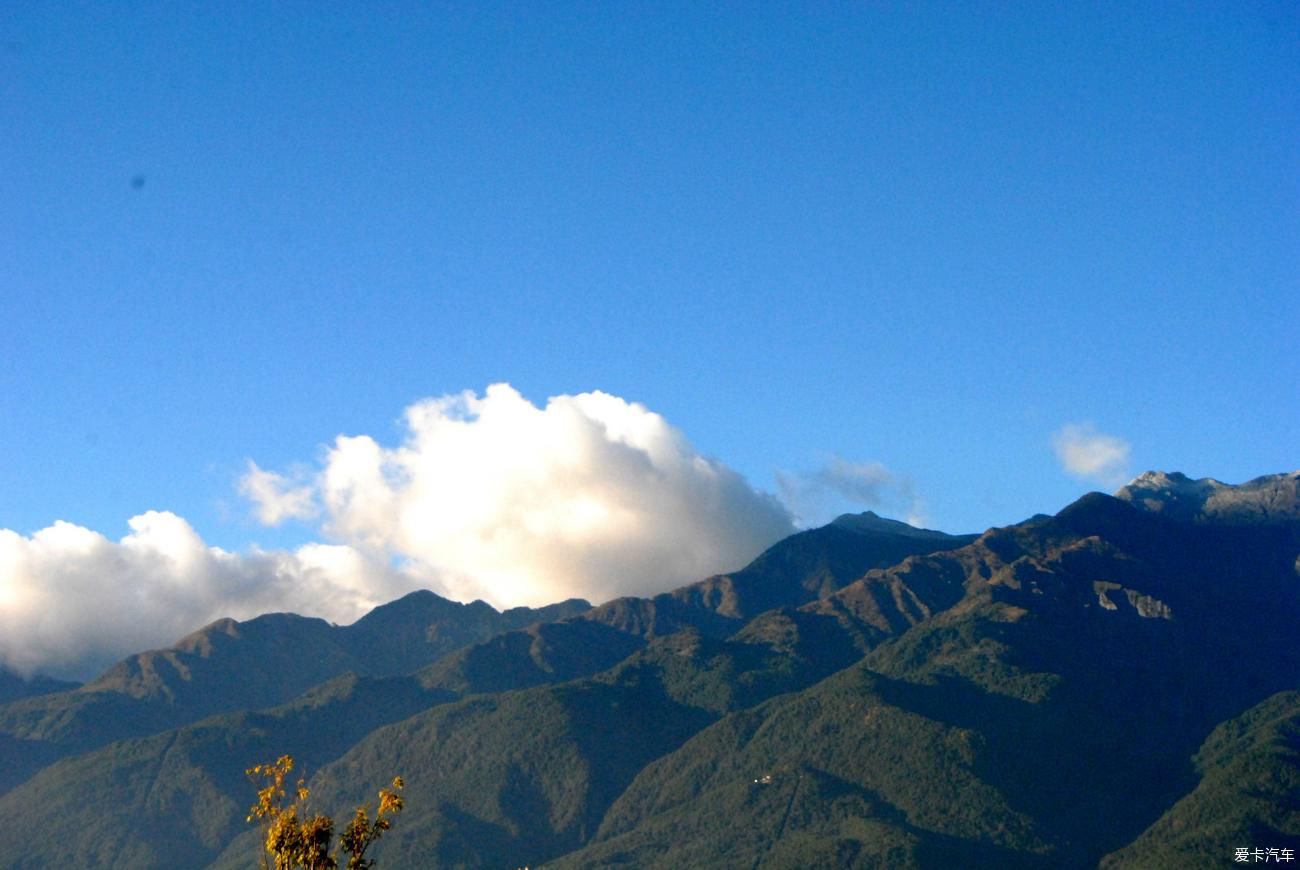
{"x":1091,"y":455}
{"x":839,"y":485}
{"x":275,"y":497}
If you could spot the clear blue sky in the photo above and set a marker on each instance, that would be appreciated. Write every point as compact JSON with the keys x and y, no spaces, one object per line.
{"x":923,"y":235}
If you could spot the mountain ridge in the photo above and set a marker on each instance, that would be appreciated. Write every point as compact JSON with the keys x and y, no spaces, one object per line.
{"x":229,"y":665}
{"x":1270,"y":498}
{"x":903,"y":714}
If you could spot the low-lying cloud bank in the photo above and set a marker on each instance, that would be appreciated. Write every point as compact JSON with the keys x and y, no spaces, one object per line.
{"x":486,"y":497}
{"x":72,"y":601}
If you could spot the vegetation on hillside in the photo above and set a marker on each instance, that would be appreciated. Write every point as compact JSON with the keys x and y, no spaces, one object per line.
{"x":1034,"y":698}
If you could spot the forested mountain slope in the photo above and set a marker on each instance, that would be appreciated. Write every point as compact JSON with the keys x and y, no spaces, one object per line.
{"x":1115,"y":684}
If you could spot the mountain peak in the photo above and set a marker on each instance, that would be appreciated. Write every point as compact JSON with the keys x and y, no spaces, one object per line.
{"x":869,"y":521}
{"x":1273,"y":498}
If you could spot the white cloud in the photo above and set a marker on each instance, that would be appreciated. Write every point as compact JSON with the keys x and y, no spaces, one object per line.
{"x":487,"y":497}
{"x":72,"y":601}
{"x":275,"y":497}
{"x":1092,"y":455}
{"x":840,"y":485}
{"x":589,"y":495}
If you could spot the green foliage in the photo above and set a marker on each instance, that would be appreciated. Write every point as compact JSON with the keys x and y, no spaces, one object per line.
{"x":979,"y":707}
{"x":836,"y":771}
{"x":1248,"y":795}
{"x":298,"y":840}
{"x":231,"y":666}
{"x":178,"y":799}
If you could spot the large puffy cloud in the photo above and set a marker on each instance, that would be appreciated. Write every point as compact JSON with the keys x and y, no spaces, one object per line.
{"x":839,"y":485}
{"x":72,"y":601}
{"x":494,"y":497}
{"x":487,"y":497}
{"x":1091,"y":455}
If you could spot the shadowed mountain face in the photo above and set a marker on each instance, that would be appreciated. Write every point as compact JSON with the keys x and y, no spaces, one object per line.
{"x":1112,"y":684}
{"x":13,"y":687}
{"x":1044,"y":719}
{"x":805,"y":567}
{"x":231,"y":665}
{"x":1248,"y":793}
{"x":267,"y":661}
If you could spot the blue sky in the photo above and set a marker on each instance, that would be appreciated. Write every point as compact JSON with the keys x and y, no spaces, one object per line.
{"x":913,"y":241}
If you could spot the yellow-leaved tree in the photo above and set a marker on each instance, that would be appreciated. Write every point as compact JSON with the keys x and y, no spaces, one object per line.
{"x":295,"y":840}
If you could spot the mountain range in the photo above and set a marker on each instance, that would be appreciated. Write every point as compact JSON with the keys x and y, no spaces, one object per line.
{"x":1116,"y":685}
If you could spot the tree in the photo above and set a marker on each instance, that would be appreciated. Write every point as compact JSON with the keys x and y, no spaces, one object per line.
{"x":296,"y":840}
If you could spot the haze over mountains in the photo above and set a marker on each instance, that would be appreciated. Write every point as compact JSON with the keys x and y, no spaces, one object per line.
{"x":1116,"y":684}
